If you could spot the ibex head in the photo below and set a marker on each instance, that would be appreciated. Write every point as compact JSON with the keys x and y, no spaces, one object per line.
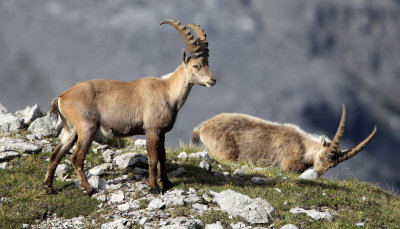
{"x":330,"y":155}
{"x":197,"y":63}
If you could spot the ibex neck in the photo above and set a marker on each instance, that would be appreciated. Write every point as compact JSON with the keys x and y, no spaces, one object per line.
{"x":178,"y":87}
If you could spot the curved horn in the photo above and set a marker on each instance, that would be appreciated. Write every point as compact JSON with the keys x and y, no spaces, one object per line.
{"x":346,"y":154}
{"x":203,"y":44}
{"x":334,"y":148}
{"x":185,"y":34}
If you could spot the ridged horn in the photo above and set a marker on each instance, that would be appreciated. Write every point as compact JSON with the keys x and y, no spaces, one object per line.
{"x":346,"y":154}
{"x":334,"y":148}
{"x":202,"y":49}
{"x":185,"y":34}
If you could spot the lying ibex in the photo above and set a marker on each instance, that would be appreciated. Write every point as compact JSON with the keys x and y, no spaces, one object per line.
{"x":111,"y":108}
{"x":247,"y":138}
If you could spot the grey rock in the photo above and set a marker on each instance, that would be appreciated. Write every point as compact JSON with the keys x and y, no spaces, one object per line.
{"x":108,"y":155}
{"x":202,"y":154}
{"x":309,"y":174}
{"x":10,"y":144}
{"x":177,"y":173}
{"x":184,"y":223}
{"x":62,"y":170}
{"x":131,"y":159}
{"x":253,"y":210}
{"x":204,"y":165}
{"x":116,"y":224}
{"x":289,"y":226}
{"x":216,"y":225}
{"x":29,"y":114}
{"x":360,"y":224}
{"x":140,"y":171}
{"x":3,"y":165}
{"x":182,"y":155}
{"x":117,"y":197}
{"x":174,"y":197}
{"x":140,"y":142}
{"x":100,"y":169}
{"x":95,"y":181}
{"x":239,"y":225}
{"x":3,"y":110}
{"x":8,"y":155}
{"x":156,"y":203}
{"x":10,"y":123}
{"x":317,"y":215}
{"x":259,"y":180}
{"x":101,"y":148}
{"x":45,"y":127}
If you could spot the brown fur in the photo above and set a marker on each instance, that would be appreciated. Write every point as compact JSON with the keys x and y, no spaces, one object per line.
{"x":247,"y":138}
{"x":111,"y":108}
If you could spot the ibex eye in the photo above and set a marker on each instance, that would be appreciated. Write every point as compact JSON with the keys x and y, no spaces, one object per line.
{"x":196,"y":66}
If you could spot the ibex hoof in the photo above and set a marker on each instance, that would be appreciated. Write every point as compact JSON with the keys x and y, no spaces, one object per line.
{"x":155,"y":190}
{"x":167,"y":185}
{"x":90,"y":192}
{"x":49,"y":190}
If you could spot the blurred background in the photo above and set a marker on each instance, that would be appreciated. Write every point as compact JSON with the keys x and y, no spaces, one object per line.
{"x":285,"y":61}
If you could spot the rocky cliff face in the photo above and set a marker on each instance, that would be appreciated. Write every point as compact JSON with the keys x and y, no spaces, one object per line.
{"x":279,"y":60}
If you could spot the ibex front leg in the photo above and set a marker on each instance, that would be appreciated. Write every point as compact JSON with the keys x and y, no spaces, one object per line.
{"x":162,"y":157}
{"x":152,"y":146}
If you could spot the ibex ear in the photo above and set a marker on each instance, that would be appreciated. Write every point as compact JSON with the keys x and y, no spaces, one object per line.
{"x":324,"y":143}
{"x":185,"y":57}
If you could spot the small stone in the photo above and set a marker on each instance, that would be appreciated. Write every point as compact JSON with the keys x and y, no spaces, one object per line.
{"x":131,"y":159}
{"x":313,"y":214}
{"x":202,"y":154}
{"x":140,"y":171}
{"x":108,"y":155}
{"x":140,"y":142}
{"x":278,"y":190}
{"x":216,"y":225}
{"x":157,"y":203}
{"x":62,"y":170}
{"x":360,"y":224}
{"x":204,"y":165}
{"x":309,"y":174}
{"x":239,"y":225}
{"x":364,"y":198}
{"x":143,"y":220}
{"x":3,"y":165}
{"x":8,"y":155}
{"x":259,"y":180}
{"x":117,"y":197}
{"x":289,"y":226}
{"x":183,"y":155}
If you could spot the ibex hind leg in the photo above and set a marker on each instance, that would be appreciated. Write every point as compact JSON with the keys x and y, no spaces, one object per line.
{"x":67,"y":140}
{"x":78,"y":158}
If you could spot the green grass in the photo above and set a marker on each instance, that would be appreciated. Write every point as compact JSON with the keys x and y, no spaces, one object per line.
{"x":343,"y":199}
{"x":23,"y":184}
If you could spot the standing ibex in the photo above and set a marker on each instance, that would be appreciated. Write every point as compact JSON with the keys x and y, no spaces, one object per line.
{"x":247,"y":138}
{"x":113,"y":108}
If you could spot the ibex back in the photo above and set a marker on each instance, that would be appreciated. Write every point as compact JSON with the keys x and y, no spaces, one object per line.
{"x":113,"y":108}
{"x":247,"y":138}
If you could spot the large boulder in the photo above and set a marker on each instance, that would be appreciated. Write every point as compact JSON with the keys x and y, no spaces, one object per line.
{"x":45,"y":127}
{"x":255,"y":211}
{"x":29,"y":114}
{"x":11,"y":144}
{"x":10,"y":123}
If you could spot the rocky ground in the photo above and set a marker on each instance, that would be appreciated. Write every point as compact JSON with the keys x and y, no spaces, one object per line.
{"x":124,"y":197}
